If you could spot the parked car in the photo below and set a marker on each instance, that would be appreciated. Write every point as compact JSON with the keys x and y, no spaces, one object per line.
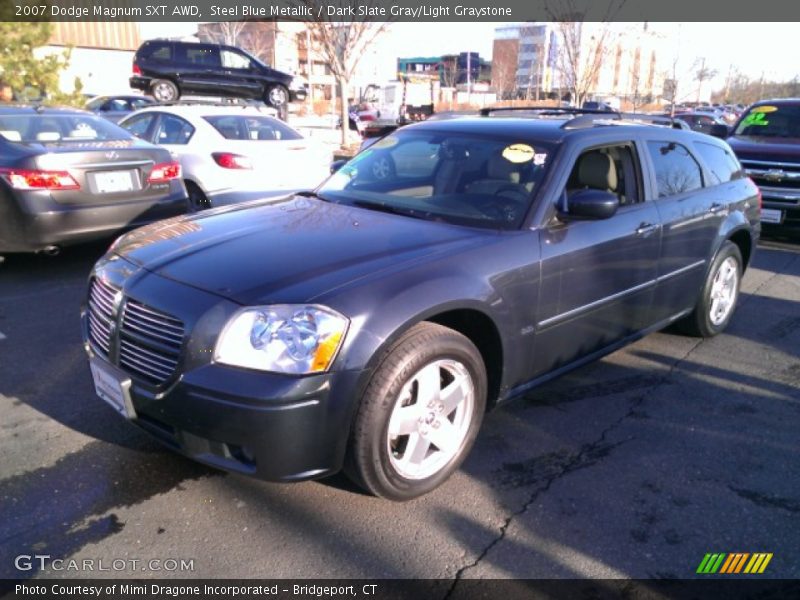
{"x":169,"y":69}
{"x":767,"y":141}
{"x":67,"y":176}
{"x":232,"y":153}
{"x":371,"y":323}
{"x":704,"y":122}
{"x":115,"y":108}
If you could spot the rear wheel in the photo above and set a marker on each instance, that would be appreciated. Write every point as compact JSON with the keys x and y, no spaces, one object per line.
{"x":419,"y":415}
{"x":164,"y":90}
{"x":197,"y":199}
{"x":720,"y":293}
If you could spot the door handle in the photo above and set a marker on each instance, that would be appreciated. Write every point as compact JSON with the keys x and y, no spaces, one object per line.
{"x":715,"y":208}
{"x":646,"y":228}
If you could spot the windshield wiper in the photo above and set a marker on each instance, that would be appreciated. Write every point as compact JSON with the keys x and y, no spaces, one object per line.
{"x":389,"y":208}
{"x":312,"y":194}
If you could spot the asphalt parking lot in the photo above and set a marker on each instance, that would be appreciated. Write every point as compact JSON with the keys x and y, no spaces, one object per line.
{"x":634,"y":466}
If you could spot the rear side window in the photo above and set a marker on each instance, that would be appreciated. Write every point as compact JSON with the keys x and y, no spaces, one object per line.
{"x":206,"y":56}
{"x":161,"y":52}
{"x":173,"y":130}
{"x":246,"y":127}
{"x":723,"y":165}
{"x":677,"y":171}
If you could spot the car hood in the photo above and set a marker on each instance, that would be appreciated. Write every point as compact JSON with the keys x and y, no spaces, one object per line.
{"x":288,"y":250}
{"x":766,"y":148}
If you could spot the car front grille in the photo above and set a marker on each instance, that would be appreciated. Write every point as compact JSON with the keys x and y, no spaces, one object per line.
{"x":101,"y":315}
{"x":149,"y":341}
{"x":773,"y":174}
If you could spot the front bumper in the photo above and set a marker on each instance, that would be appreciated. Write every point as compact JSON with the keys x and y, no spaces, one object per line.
{"x":271,"y":427}
{"x":32,"y":220}
{"x":266,"y":425}
{"x":785,"y":200}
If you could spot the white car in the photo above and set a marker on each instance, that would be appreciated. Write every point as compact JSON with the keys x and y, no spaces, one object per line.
{"x":232,"y":153}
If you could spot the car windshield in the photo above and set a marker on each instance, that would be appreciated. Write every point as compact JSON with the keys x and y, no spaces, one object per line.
{"x":452,"y":177}
{"x":66,"y":128}
{"x":250,"y":127}
{"x":771,"y":121}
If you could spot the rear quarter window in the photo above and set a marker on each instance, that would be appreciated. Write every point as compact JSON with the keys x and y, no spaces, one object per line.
{"x":721,"y":163}
{"x":161,"y":52}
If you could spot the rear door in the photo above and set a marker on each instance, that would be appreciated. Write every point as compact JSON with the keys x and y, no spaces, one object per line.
{"x":598,"y":276}
{"x":200,"y":68}
{"x":691,"y":211}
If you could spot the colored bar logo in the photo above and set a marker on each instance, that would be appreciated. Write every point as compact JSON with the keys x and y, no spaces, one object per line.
{"x":734,"y":563}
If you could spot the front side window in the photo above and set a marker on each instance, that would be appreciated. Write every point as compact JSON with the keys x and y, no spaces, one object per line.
{"x":453,"y":177}
{"x":677,"y":171}
{"x":611,"y":169}
{"x":234,"y":60}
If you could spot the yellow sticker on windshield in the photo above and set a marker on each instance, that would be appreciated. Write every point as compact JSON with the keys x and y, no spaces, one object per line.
{"x":386,"y":142}
{"x":763,"y":109}
{"x":518,"y":153}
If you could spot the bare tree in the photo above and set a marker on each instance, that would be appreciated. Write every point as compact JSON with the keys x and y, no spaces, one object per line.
{"x":703,"y":73}
{"x":582,"y":49}
{"x":226,"y":32}
{"x":343,"y":43}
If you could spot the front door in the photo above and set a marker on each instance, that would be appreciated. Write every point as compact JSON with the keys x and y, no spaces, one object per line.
{"x":598,"y":275}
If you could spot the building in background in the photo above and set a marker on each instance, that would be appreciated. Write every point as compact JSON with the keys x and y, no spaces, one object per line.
{"x":524,"y":60}
{"x":453,"y":70}
{"x":528,"y":61}
{"x":101,"y":54}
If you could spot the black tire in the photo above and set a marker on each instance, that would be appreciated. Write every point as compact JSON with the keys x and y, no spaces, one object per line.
{"x":700,"y":323}
{"x":197,"y":199}
{"x":372,"y":460}
{"x":277,"y":96}
{"x":163,"y":90}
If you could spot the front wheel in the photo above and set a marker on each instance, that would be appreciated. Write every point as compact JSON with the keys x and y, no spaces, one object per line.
{"x":720,"y":293}
{"x":277,"y":96}
{"x":419,"y":415}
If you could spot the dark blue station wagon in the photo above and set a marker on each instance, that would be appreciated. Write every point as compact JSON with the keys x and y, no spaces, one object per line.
{"x":450,"y":267}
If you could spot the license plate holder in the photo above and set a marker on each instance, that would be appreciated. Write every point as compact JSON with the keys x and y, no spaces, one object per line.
{"x":771,"y":215}
{"x":113,"y":182}
{"x":113,"y":386}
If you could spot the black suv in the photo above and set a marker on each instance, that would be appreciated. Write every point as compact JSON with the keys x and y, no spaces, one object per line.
{"x":767,"y":141}
{"x":450,"y":267}
{"x":169,"y":69}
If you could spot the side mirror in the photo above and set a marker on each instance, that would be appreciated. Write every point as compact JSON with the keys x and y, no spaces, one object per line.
{"x":592,"y":204}
{"x":337,"y":164}
{"x":719,"y":130}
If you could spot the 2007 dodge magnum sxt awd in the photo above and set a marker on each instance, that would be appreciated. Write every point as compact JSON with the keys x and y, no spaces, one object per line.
{"x":450,"y":267}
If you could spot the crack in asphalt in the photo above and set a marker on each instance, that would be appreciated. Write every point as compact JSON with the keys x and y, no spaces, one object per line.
{"x":588,"y":455}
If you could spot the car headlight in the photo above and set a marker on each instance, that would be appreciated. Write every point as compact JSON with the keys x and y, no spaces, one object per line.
{"x":286,"y":338}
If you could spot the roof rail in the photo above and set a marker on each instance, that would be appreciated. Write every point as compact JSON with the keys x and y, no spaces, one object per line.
{"x":547,"y":110}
